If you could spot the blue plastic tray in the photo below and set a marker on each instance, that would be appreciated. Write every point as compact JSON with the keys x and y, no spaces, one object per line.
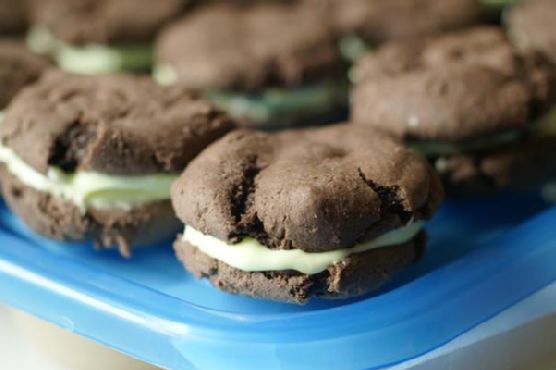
{"x":483,"y":256}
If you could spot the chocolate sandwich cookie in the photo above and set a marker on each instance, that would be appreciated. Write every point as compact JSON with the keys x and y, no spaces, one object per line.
{"x":364,"y":24}
{"x":100,"y":36}
{"x":13,"y":17}
{"x":92,"y":157}
{"x":18,"y":68}
{"x":531,"y":26}
{"x":329,"y":212}
{"x":469,"y":101}
{"x":267,"y":65}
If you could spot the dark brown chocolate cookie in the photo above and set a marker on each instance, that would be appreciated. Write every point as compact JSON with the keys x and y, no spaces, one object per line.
{"x":105,"y":21}
{"x":18,"y":68}
{"x":378,"y":21}
{"x":354,"y":276}
{"x":470,"y":92}
{"x":226,"y":46}
{"x":60,"y":219}
{"x":116,"y":124}
{"x":110,"y":125}
{"x":13,"y":17}
{"x":315,"y":190}
{"x":521,"y":166}
{"x":456,"y":87}
{"x":531,"y":26}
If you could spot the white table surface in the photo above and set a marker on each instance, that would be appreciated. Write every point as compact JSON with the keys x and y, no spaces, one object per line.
{"x":16,"y":352}
{"x":493,"y":345}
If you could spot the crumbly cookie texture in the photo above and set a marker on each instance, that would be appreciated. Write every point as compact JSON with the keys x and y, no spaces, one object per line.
{"x":109,"y":124}
{"x":351,"y":277}
{"x":117,"y":127}
{"x":521,"y":166}
{"x":315,"y":190}
{"x":56,"y":218}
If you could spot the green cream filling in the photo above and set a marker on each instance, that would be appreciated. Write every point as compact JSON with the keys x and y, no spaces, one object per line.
{"x":89,"y":189}
{"x":271,"y":104}
{"x":250,"y":255}
{"x":93,"y":58}
{"x":434,"y":147}
{"x":545,"y":127}
{"x":353,"y":48}
{"x":499,"y":4}
{"x":165,"y":75}
{"x":274,"y":104}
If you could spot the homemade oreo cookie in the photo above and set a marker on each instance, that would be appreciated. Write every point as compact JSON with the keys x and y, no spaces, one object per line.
{"x":93,"y":157}
{"x":367,"y":23}
{"x":100,"y":36}
{"x":267,"y":65}
{"x":18,"y":68}
{"x":469,"y":101}
{"x":329,"y":212}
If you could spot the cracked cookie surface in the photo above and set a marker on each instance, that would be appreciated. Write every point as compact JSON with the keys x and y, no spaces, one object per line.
{"x":116,"y":124}
{"x":315,"y":190}
{"x":109,"y":125}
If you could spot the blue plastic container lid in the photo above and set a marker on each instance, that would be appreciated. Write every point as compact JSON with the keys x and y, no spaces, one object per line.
{"x":483,"y":256}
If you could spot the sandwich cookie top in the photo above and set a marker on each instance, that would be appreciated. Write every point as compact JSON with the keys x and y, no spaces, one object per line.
{"x":531,"y":26}
{"x":248,"y":48}
{"x":100,"y":37}
{"x":456,"y":88}
{"x":313,"y":190}
{"x":109,"y":124}
{"x":105,"y":141}
{"x":18,"y":68}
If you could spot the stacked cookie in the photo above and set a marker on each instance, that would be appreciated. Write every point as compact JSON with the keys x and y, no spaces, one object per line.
{"x":99,"y":36}
{"x":266,"y":64}
{"x":93,"y":157}
{"x":332,"y":211}
{"x":328,"y":212}
{"x":366,"y":24}
{"x":469,"y":101}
